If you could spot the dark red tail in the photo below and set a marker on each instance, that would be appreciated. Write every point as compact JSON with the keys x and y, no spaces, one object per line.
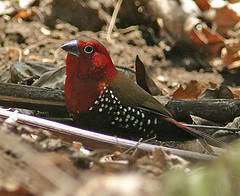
{"x":196,"y":133}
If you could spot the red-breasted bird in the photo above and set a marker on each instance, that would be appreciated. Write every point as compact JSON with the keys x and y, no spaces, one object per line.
{"x":101,"y":98}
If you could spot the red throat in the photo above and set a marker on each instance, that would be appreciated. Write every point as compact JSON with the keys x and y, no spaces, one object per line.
{"x":86,"y":79}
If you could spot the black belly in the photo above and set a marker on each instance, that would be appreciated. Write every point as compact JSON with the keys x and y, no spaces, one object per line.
{"x":132,"y":124}
{"x":109,"y":116}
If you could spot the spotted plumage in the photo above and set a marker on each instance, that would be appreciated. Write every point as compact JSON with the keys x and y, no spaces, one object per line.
{"x":101,"y":98}
{"x":125,"y":121}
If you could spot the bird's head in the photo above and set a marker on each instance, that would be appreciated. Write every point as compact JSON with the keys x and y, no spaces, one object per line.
{"x":88,"y":60}
{"x":89,"y":69}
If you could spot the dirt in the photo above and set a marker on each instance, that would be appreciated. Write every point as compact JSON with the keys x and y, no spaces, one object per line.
{"x":37,"y":38}
{"x":30,"y":39}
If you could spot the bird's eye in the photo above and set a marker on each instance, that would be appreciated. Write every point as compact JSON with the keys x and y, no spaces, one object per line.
{"x":88,"y":49}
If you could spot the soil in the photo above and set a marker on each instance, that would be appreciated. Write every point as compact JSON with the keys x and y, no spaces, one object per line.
{"x":32,"y":40}
{"x":47,"y":164}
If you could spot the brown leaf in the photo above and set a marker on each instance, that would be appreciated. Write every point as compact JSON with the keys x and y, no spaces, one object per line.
{"x":235,"y":91}
{"x":231,"y":54}
{"x":233,"y":1}
{"x":204,"y":37}
{"x":203,"y":5}
{"x":223,"y":92}
{"x":192,"y":91}
{"x":226,"y":18}
{"x":20,"y":191}
{"x":24,"y":14}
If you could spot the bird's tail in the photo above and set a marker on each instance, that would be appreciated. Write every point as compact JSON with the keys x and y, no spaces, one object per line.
{"x":197,"y":133}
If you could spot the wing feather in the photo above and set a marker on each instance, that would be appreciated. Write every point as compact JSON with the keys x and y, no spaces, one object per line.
{"x":130,"y":94}
{"x":133,"y":95}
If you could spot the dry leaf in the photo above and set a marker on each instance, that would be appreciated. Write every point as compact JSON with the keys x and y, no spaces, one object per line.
{"x":204,"y":37}
{"x":225,"y":18}
{"x":233,"y":1}
{"x":231,"y":54}
{"x":203,"y":5}
{"x":235,"y":91}
{"x":24,"y":14}
{"x":20,"y":191}
{"x":223,"y":92}
{"x":192,"y":91}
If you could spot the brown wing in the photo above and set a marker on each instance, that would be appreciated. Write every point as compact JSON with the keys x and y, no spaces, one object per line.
{"x":130,"y":94}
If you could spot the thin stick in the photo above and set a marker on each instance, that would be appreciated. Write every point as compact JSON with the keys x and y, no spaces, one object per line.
{"x":113,"y":19}
{"x":30,"y":97}
{"x":94,"y":140}
{"x":36,"y":98}
{"x":52,"y":100}
{"x":234,"y":130}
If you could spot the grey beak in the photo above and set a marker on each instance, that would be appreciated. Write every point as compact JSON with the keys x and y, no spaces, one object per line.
{"x":71,"y":47}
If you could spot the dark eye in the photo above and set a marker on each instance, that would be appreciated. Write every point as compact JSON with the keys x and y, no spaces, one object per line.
{"x":88,"y":49}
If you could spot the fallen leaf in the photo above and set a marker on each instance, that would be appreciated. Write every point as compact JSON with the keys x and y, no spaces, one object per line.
{"x":204,"y":37}
{"x":223,"y":92}
{"x":203,"y":5}
{"x":226,"y":18}
{"x":20,"y":191}
{"x":231,"y":54}
{"x":233,"y":1}
{"x":192,"y":91}
{"x":235,"y":91}
{"x":24,"y":14}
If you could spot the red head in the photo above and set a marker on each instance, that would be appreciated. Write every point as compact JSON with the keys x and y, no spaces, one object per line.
{"x":89,"y":69}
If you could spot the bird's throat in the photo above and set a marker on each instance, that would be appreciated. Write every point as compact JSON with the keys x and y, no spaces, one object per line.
{"x":80,"y":95}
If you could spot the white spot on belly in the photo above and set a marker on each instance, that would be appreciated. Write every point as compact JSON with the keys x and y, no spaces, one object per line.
{"x":148,"y":121}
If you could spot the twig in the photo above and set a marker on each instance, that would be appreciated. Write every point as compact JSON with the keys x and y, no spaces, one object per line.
{"x":52,"y":100}
{"x":94,"y":140}
{"x":234,"y":130}
{"x":135,"y":147}
{"x":39,"y":14}
{"x":129,"y":29}
{"x":145,"y":141}
{"x":216,"y":110}
{"x":113,"y":19}
{"x":29,"y":97}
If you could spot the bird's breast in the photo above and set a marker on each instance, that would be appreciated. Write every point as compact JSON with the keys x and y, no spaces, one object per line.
{"x":80,"y":94}
{"x":108,"y":114}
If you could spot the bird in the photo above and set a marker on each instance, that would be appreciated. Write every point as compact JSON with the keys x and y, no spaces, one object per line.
{"x":100,"y":98}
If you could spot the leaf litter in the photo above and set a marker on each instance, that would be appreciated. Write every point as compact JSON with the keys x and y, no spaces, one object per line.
{"x":30,"y":55}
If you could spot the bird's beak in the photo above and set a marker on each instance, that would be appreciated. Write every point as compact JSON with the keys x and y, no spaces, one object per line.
{"x":71,"y":47}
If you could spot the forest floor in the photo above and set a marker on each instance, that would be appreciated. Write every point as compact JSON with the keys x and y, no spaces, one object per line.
{"x":186,"y":60}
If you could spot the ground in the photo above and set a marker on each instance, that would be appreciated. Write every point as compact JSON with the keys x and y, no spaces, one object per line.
{"x":186,"y":51}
